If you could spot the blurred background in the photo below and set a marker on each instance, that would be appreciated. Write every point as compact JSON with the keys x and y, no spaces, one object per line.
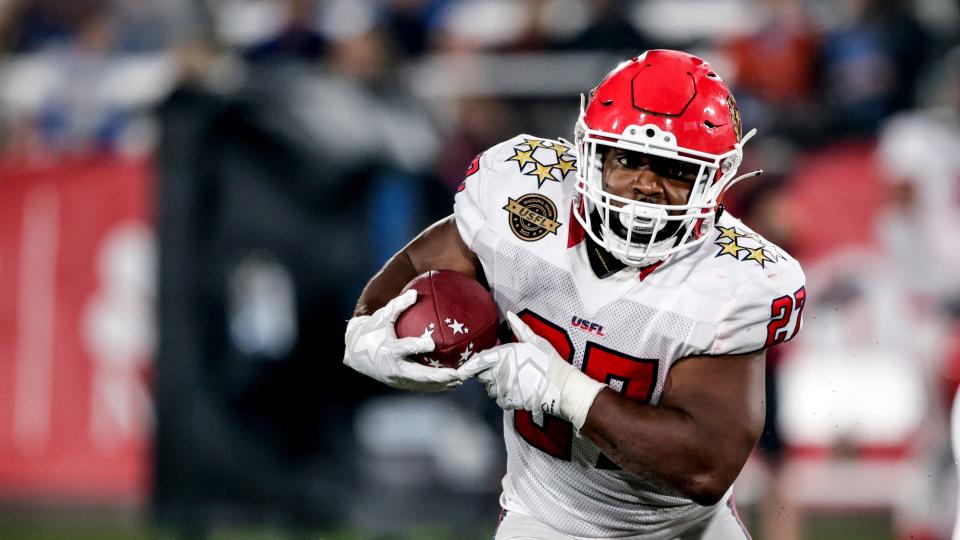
{"x":193,"y":193}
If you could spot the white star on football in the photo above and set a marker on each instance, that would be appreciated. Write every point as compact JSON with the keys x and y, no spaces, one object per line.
{"x":433,"y":363}
{"x":446,"y":321}
{"x":458,"y":327}
{"x":465,"y":355}
{"x":428,"y":331}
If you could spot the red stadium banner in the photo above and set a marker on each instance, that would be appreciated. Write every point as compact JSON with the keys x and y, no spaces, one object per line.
{"x":76,"y":330}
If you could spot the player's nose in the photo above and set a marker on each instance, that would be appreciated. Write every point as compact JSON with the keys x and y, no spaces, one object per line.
{"x":647,"y":185}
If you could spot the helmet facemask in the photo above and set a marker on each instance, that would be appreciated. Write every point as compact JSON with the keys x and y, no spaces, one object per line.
{"x":642,"y":233}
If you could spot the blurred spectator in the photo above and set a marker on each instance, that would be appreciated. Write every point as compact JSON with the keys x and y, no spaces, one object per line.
{"x":76,"y":115}
{"x":610,"y":30}
{"x":475,"y":25}
{"x":297,"y":39}
{"x":774,"y":70}
{"x":36,"y":24}
{"x":145,"y":26}
{"x":481,"y":123}
{"x":275,"y":198}
{"x":871,"y":65}
{"x":764,"y":206}
{"x":919,"y":158}
{"x":410,"y":22}
{"x":776,"y":62}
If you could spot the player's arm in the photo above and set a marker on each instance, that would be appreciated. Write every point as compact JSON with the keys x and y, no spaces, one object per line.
{"x":439,"y":247}
{"x":695,"y":440}
{"x":700,"y":435}
{"x":371,"y":345}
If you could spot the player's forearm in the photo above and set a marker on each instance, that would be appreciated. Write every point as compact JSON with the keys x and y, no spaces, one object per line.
{"x":439,"y":247}
{"x":386,"y":284}
{"x":668,"y":446}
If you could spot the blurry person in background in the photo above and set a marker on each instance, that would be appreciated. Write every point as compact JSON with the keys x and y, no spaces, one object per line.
{"x":74,"y":109}
{"x":766,"y":208}
{"x":609,"y":30}
{"x":296,"y":40}
{"x":34,"y":25}
{"x":409,"y":23}
{"x":481,"y":123}
{"x":639,"y":429}
{"x":870,"y":64}
{"x":77,"y":110}
{"x":278,"y":193}
{"x":919,"y":159}
{"x":775,"y":70}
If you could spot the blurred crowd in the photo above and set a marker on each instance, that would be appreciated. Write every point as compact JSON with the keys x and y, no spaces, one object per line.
{"x":857,"y":104}
{"x":805,"y":71}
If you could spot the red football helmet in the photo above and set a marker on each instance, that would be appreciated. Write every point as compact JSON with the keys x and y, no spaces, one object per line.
{"x":668,"y":104}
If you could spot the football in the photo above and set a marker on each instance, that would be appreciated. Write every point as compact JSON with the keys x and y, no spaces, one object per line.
{"x":453,"y":309}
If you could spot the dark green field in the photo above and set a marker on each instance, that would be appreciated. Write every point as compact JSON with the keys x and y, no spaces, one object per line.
{"x":126,"y":525}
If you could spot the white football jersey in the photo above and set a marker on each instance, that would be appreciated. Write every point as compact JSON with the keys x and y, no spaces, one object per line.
{"x":734,"y":293}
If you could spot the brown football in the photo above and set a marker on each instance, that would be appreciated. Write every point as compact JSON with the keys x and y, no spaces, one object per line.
{"x":456,"y":311}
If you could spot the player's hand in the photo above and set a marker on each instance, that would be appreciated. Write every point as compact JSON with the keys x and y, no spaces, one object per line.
{"x":531,"y":375}
{"x":372,"y":348}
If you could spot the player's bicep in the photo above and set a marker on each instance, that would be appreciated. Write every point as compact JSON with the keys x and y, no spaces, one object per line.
{"x":440,"y":247}
{"x":722,"y":395}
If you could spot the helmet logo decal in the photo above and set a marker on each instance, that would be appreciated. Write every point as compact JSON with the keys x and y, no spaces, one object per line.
{"x":732,"y":242}
{"x":735,"y":116}
{"x":532,"y":216}
{"x":544,"y":160}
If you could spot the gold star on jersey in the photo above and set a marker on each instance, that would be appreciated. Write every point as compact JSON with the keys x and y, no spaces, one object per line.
{"x":745,"y":246}
{"x":544,"y":160}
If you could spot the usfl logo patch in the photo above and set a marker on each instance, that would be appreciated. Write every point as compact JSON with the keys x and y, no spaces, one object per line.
{"x":532,"y":216}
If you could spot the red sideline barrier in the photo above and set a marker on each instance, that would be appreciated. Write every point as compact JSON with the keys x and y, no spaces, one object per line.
{"x":76,"y":330}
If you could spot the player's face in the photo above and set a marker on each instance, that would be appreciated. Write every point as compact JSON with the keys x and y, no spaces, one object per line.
{"x":645,"y":178}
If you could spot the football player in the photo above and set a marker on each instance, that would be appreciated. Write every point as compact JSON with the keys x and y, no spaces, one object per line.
{"x":633,"y":385}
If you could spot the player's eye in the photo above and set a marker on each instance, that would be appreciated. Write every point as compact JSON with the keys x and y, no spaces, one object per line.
{"x":675,"y":170}
{"x":686,"y":172}
{"x":632,"y":160}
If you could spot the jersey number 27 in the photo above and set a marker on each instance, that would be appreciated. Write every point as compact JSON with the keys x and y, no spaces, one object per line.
{"x":635,"y":378}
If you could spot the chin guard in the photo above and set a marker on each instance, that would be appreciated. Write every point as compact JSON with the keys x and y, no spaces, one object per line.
{"x":642,"y":220}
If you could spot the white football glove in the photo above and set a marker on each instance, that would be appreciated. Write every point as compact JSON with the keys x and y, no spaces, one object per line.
{"x":531,"y":375}
{"x":372,"y":348}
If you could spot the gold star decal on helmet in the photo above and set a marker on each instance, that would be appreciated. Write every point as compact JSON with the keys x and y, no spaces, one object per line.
{"x":522,"y":157}
{"x":759,"y":255}
{"x":566,"y":166}
{"x":731,"y":248}
{"x":543,"y":173}
{"x":728,"y":232}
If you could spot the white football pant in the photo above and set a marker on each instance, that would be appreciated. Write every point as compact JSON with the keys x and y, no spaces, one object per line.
{"x":723,"y":525}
